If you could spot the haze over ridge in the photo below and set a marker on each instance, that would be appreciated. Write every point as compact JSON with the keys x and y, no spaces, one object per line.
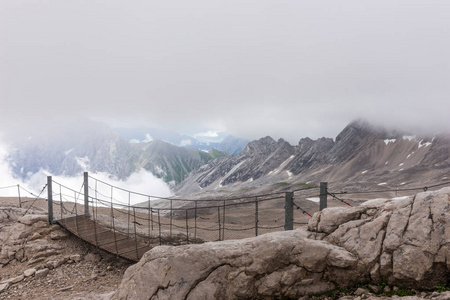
{"x":284,"y":69}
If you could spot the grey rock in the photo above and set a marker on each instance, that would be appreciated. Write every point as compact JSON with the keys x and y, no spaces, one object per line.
{"x":41,"y":273}
{"x":75,"y":257}
{"x":266,"y":266}
{"x":58,"y":235}
{"x":361,"y":291}
{"x":4,"y":286}
{"x":91,"y":257}
{"x":359,"y":243}
{"x":32,"y":219}
{"x":29,"y":272}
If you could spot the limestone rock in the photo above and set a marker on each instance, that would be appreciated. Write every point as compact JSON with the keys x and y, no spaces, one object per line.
{"x":41,"y":273}
{"x":58,"y":235}
{"x":399,"y":240}
{"x":91,"y":257}
{"x":265,"y":267}
{"x":29,"y":272}
{"x":14,"y":279}
{"x":32,"y":219}
{"x":75,"y":257}
{"x":442,"y":296}
{"x":4,"y":286}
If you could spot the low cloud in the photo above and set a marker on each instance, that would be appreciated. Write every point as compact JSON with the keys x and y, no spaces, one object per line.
{"x":208,"y":134}
{"x":186,"y":142}
{"x":142,"y":182}
{"x":289,"y":69}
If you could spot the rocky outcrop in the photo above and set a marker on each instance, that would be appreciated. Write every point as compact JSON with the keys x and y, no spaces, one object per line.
{"x":41,"y":261}
{"x":27,"y":237}
{"x":403,"y":241}
{"x":265,"y":267}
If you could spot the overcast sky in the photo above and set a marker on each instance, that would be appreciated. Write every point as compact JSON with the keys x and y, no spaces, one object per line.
{"x":251,"y":68}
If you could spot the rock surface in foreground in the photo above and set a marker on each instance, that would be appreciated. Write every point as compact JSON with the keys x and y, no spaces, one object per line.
{"x":403,"y":241}
{"x":267,"y":266}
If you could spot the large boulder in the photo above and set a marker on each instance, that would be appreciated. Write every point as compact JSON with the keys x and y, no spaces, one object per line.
{"x":265,"y":267}
{"x":404,"y":240}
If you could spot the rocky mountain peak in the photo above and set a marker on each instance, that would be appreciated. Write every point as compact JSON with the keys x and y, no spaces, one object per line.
{"x":258,"y":145}
{"x":362,"y":152}
{"x":358,"y":129}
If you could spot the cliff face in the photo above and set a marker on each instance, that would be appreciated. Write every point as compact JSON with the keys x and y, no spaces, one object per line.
{"x":361,"y":153}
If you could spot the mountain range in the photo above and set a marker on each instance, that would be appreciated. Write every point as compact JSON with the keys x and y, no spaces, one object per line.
{"x":361,"y":155}
{"x":95,"y":147}
{"x":206,"y":141}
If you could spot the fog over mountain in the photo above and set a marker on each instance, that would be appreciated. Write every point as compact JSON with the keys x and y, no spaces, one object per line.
{"x":287,"y":69}
{"x":284,"y":69}
{"x":362,"y":154}
{"x":77,"y":145}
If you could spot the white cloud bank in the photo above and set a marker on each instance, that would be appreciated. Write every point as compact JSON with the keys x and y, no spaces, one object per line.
{"x":142,"y":182}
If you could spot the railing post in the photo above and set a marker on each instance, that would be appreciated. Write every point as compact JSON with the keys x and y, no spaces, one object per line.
{"x":50,"y":199}
{"x":135,"y":233}
{"x":256,"y":216}
{"x":86,"y":193}
{"x":289,"y":211}
{"x":171,"y":216}
{"x":323,"y":195}
{"x":195,"y":222}
{"x":223,"y":217}
{"x":218,"y":219}
{"x":159,"y":228}
{"x":20,"y":199}
{"x":187,"y":228}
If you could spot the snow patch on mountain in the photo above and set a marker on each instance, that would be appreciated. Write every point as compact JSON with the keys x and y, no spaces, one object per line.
{"x":387,"y":141}
{"x":409,"y":137}
{"x":426,"y":144}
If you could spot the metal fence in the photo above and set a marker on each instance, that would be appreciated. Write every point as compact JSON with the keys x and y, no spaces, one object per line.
{"x":124,"y":219}
{"x":175,"y":221}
